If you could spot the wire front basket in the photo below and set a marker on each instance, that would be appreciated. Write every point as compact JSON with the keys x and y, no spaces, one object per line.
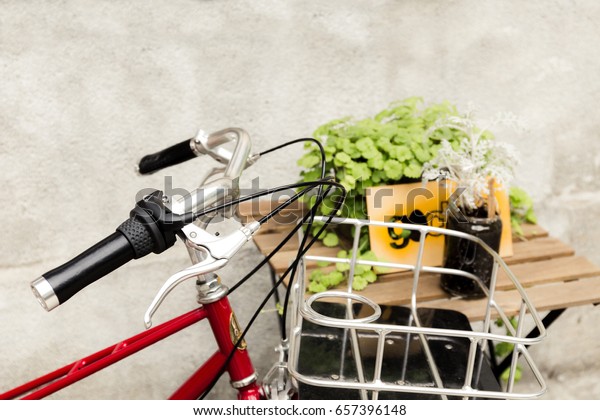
{"x":344,"y":345}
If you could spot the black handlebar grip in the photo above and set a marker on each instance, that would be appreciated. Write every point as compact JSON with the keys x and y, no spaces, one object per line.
{"x":132,"y":240}
{"x":168,"y":157}
{"x":60,"y":284}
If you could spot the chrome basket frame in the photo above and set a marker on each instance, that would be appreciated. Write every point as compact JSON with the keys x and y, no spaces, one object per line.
{"x":479,"y":338}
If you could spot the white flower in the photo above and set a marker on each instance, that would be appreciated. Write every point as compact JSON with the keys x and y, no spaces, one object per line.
{"x":471,"y":163}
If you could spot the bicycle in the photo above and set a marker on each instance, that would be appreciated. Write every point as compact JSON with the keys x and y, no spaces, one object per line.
{"x":155,"y":223}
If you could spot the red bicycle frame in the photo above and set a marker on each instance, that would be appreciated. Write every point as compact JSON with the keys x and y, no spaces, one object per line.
{"x":226,"y":332}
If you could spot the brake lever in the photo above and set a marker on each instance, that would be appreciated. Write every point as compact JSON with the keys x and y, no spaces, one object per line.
{"x":218,"y":251}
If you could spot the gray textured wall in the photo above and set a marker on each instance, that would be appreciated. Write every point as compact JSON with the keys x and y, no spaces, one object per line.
{"x":88,"y":87}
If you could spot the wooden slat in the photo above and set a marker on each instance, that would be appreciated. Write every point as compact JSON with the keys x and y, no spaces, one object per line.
{"x":544,"y":298}
{"x":539,"y":249}
{"x":275,"y":225}
{"x":259,"y":208}
{"x":396,"y":289}
{"x":531,"y":231}
{"x":267,"y":242}
{"x":282,"y":221}
{"x":548,"y":271}
{"x":282,"y":259}
{"x":564,"y":295}
{"x":399,"y":292}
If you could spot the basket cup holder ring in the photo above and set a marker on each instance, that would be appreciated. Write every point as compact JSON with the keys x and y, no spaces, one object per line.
{"x":349,"y":297}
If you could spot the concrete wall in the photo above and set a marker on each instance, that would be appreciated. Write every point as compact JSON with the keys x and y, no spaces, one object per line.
{"x":88,"y":87}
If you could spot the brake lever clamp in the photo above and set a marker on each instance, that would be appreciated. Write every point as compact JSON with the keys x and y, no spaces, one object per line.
{"x":218,"y":251}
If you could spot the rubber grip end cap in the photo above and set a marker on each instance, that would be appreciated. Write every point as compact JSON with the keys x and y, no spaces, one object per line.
{"x":44,"y":294}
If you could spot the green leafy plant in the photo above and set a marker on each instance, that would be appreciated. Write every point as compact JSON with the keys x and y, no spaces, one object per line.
{"x":389,"y":148}
{"x":396,"y":146}
{"x":521,"y":209}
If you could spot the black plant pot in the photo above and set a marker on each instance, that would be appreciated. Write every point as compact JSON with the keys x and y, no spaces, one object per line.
{"x":466,"y":255}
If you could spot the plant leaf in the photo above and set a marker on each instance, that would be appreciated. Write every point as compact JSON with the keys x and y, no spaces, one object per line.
{"x":309,"y":160}
{"x":393,"y":169}
{"x":331,"y":240}
{"x":341,"y":158}
{"x":518,"y":374}
{"x":359,"y":283}
{"x":413,"y":170}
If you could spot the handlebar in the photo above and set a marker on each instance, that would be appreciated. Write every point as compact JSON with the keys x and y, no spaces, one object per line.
{"x":203,"y":144}
{"x":152,"y":226}
{"x":170,"y":156}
